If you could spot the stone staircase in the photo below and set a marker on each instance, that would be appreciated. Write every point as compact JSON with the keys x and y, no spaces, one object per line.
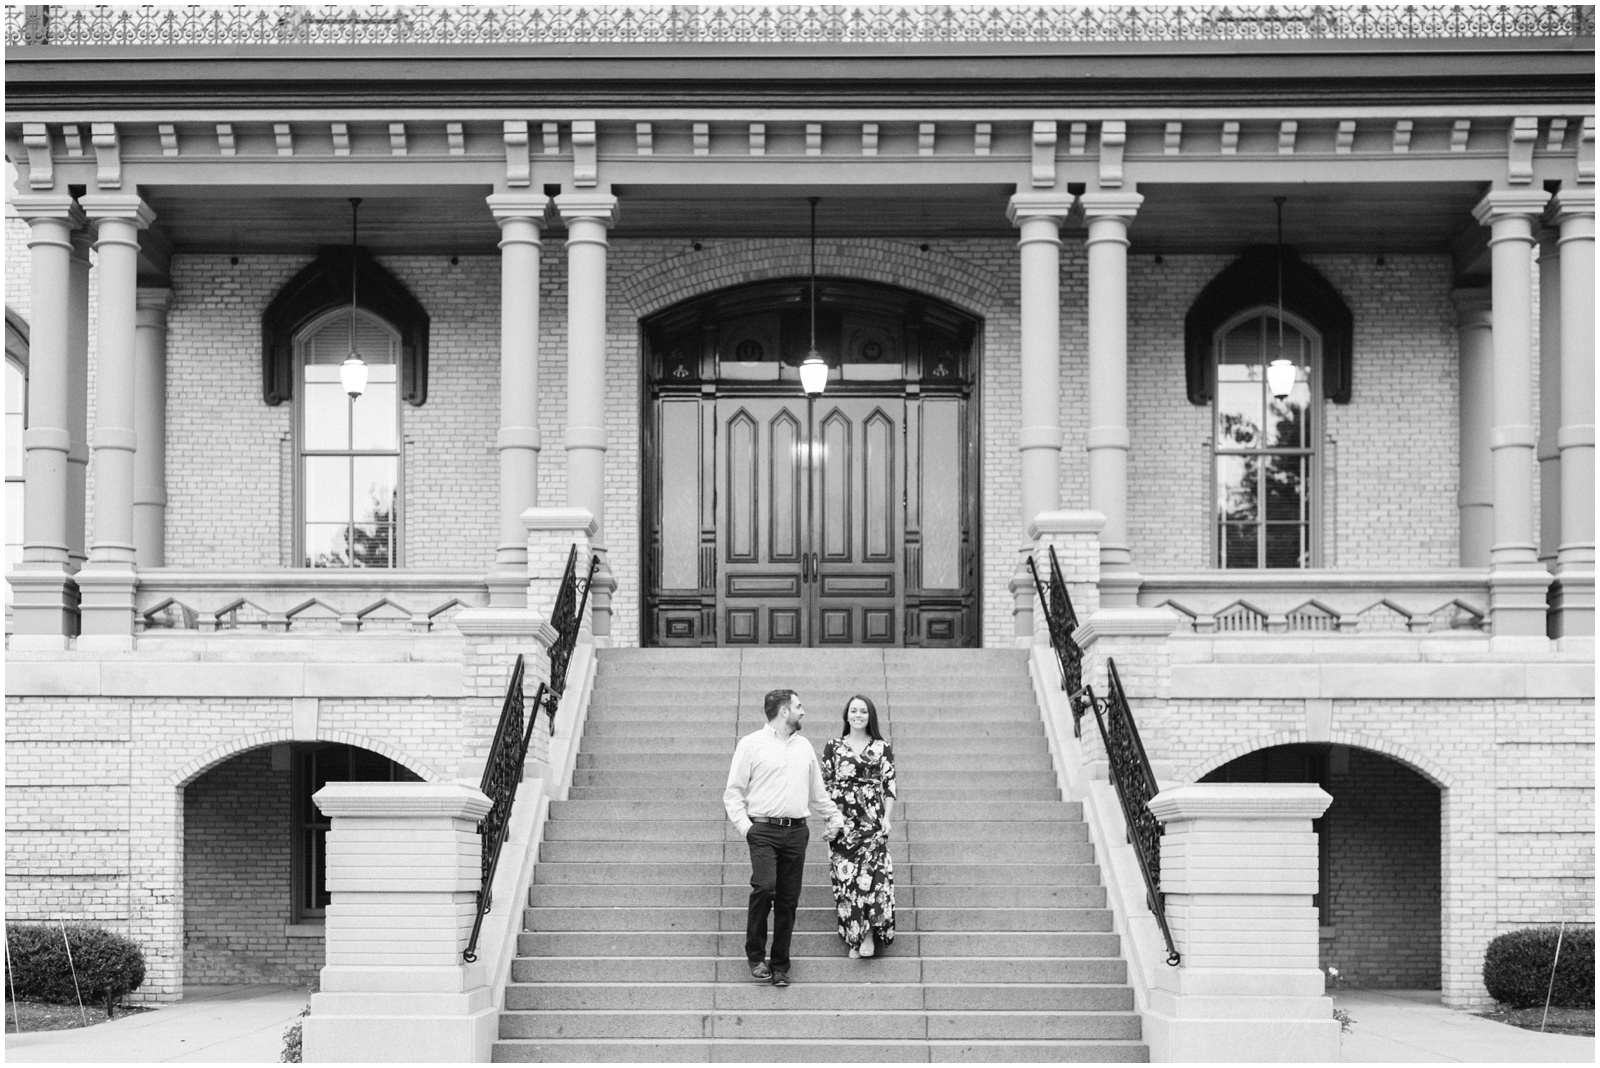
{"x":634,"y":941}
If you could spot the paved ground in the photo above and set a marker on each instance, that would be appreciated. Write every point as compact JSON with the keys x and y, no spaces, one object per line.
{"x":219,"y":1024}
{"x":1410,"y":1026}
{"x":245,"y":1024}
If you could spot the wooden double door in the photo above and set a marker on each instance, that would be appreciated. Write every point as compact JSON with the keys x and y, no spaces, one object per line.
{"x":781,"y":520}
{"x":812,"y":524}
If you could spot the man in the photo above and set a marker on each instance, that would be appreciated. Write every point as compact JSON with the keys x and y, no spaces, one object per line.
{"x":775,"y":774}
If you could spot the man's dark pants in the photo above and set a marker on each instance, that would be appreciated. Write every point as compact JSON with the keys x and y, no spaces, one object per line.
{"x":777,"y":865}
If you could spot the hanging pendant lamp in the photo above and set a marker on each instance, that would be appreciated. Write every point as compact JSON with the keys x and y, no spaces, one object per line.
{"x":1281,"y":372}
{"x":353,"y":372}
{"x":813,"y":369}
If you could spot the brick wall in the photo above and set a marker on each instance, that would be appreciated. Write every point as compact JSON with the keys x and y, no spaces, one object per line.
{"x":237,"y":891}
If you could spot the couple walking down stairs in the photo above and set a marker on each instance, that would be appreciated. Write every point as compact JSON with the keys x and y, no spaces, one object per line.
{"x":633,"y":948}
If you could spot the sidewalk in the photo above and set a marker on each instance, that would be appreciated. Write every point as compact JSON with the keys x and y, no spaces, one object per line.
{"x":245,"y":1024}
{"x":227,"y":1024}
{"x":1410,"y":1026}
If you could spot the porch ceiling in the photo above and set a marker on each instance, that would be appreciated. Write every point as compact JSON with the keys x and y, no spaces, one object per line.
{"x":1193,"y":218}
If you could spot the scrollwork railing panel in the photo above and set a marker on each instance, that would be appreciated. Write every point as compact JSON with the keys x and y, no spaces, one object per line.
{"x":671,"y":24}
{"x":1061,"y":620}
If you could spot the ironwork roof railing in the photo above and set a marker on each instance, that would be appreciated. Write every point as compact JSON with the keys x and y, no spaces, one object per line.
{"x":56,"y":24}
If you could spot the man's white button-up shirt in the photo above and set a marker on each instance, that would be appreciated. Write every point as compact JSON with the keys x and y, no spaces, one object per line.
{"x":773,"y":776}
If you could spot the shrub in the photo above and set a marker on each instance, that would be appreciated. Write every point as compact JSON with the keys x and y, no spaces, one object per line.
{"x":108,"y":965}
{"x":1516,"y":968}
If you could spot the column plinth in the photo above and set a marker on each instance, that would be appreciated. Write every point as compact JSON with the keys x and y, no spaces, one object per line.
{"x":1109,"y":216}
{"x":1573,"y":600}
{"x":588,"y":216}
{"x":108,"y":580}
{"x":44,"y":599}
{"x":1038,"y":217}
{"x":1517,"y":598}
{"x":521,"y":219}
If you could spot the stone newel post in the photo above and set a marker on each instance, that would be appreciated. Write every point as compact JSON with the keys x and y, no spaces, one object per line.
{"x":403,"y":869}
{"x":1238,"y":870}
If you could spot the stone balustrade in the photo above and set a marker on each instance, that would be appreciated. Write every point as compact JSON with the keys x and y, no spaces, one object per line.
{"x":305,"y":601}
{"x":1329,"y":602}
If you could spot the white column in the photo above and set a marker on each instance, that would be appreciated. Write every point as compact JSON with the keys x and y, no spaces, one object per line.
{"x":403,"y":872}
{"x":1039,"y":217}
{"x":78,"y":401}
{"x":107,"y":581}
{"x":44,"y":601}
{"x":1109,"y":216}
{"x":521,"y":217}
{"x":588,"y":216}
{"x":1518,"y":583}
{"x":1238,"y":871}
{"x":1546,"y":453}
{"x":1574,"y":571}
{"x":1475,"y":490}
{"x":150,"y":427}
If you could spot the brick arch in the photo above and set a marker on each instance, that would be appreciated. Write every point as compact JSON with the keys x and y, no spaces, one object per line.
{"x":256,"y":740}
{"x":1401,"y":754}
{"x":899,"y":263}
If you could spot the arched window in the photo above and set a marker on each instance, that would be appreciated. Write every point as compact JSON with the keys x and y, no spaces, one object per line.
{"x":348,"y":451}
{"x":16,"y":423}
{"x":1265,"y":465}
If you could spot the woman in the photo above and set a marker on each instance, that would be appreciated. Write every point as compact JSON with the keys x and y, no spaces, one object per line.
{"x":858,"y":771}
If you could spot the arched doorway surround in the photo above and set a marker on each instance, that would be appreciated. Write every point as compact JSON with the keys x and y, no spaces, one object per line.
{"x":1380,"y":851}
{"x":848,"y":519}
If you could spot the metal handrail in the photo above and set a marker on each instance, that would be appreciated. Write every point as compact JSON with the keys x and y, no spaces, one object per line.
{"x":1136,"y":785}
{"x":514,"y":733}
{"x":1061,"y":620}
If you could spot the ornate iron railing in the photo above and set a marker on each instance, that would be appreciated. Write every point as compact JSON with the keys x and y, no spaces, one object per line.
{"x":1061,"y":621}
{"x":248,"y":24}
{"x":514,"y":733}
{"x":1136,"y":785}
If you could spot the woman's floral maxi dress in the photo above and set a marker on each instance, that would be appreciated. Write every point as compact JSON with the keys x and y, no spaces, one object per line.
{"x":862,"y":873}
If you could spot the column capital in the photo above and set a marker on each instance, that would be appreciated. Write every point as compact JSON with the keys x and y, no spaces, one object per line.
{"x":601,"y":207}
{"x":1572,"y":203}
{"x":1472,"y":304}
{"x":392,"y":801}
{"x":507,"y":206}
{"x":1052,"y":205}
{"x":1113,"y":205}
{"x":1500,"y":204}
{"x":128,"y":206}
{"x":41,"y":206}
{"x":1240,"y":801}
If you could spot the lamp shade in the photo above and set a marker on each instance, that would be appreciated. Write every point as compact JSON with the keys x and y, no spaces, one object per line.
{"x":1281,"y":374}
{"x":813,"y":374}
{"x":353,"y":375}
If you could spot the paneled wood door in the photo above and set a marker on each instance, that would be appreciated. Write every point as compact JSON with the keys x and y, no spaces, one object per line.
{"x":810,"y":531}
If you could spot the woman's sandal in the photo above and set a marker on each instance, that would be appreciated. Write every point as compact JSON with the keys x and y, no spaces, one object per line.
{"x":854,"y":953}
{"x":868,"y":947}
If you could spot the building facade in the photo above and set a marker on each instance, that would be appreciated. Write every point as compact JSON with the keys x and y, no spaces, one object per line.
{"x":1052,"y":259}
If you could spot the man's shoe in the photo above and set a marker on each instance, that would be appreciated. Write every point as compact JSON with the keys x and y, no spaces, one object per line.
{"x":760,"y":971}
{"x":780,"y":978}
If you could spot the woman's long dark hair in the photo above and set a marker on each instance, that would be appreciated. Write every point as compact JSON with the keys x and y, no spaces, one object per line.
{"x":872,"y":717}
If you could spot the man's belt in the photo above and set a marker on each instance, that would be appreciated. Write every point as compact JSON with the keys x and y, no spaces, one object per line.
{"x":779,"y":821}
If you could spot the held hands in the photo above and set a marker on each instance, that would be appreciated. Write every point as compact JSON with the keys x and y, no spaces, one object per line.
{"x":835,"y":828}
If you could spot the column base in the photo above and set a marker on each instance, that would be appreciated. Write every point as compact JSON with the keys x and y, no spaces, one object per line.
{"x":508,"y":587}
{"x":1119,"y":586}
{"x":1518,"y":596}
{"x":107,"y":606}
{"x":1026,"y":625}
{"x":1572,"y":601}
{"x":44,"y":606}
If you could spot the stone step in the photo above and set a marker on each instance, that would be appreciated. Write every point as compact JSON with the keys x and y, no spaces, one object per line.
{"x":781,"y":1022}
{"x":752,"y":996}
{"x":736,"y":851}
{"x":933,"y":811}
{"x":907,"y":793}
{"x":817,"y":1051}
{"x":816,"y":871}
{"x":816,"y":944}
{"x":707,"y":744}
{"x":833,"y":967}
{"x":716,"y":779}
{"x":824,"y":918}
{"x":815,"y":895}
{"x":901,"y":831}
{"x":907,"y":724}
{"x":921,"y":762}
